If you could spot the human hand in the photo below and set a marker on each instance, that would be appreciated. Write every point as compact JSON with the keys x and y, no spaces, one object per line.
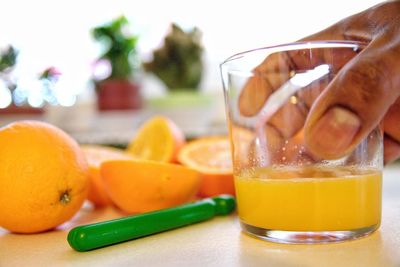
{"x":364,"y":93}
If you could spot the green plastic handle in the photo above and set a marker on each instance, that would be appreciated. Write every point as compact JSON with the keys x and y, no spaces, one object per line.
{"x":97,"y":235}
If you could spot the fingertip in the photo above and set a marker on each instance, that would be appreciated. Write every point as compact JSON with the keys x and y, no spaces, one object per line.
{"x":332,"y":135}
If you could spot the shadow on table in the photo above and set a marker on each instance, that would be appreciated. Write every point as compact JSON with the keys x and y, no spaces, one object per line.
{"x":367,"y":251}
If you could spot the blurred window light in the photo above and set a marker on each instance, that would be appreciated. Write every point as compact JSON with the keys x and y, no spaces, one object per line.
{"x":65,"y":99}
{"x":35,"y":99}
{"x":49,"y":37}
{"x":35,"y":95}
{"x":101,"y":70}
{"x":20,"y":96}
{"x":48,"y":92}
{"x":66,"y":90}
{"x":5,"y":96}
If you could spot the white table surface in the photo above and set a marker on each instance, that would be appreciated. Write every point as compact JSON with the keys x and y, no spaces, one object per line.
{"x":217,"y":242}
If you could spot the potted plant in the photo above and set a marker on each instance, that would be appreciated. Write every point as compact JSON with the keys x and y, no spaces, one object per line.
{"x":179,"y":65}
{"x":179,"y":62}
{"x":118,"y":89}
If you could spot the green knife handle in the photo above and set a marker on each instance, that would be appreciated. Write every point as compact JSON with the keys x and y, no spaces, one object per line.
{"x":92,"y":236}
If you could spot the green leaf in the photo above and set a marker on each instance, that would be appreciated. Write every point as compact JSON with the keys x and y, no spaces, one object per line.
{"x":178,"y":63}
{"x":8,"y":58}
{"x":119,"y":47}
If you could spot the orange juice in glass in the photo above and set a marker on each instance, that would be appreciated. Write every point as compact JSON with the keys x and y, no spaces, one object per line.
{"x":284,"y":192}
{"x":314,"y":200}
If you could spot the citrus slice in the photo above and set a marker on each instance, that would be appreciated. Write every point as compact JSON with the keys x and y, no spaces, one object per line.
{"x":211,"y":156}
{"x":95,"y":155}
{"x":158,"y":139}
{"x":137,"y":186}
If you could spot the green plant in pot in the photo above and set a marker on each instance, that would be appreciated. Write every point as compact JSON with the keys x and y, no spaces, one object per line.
{"x":178,"y":63}
{"x":118,"y":89}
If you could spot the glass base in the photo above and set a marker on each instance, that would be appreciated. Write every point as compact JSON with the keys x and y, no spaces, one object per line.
{"x":300,"y":237}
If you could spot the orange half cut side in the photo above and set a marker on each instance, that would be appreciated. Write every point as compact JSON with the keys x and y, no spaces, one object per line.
{"x":158,"y":139}
{"x":211,"y":156}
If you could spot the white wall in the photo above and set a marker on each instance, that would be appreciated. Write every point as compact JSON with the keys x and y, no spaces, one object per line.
{"x":56,"y":33}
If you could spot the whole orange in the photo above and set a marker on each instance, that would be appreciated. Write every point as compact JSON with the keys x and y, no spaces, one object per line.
{"x":43,"y":177}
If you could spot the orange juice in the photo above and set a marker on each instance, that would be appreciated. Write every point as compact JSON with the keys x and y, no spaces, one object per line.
{"x":309,"y":199}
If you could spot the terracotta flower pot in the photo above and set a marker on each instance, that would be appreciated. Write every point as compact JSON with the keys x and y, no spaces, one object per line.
{"x":13,"y":109}
{"x":118,"y":95}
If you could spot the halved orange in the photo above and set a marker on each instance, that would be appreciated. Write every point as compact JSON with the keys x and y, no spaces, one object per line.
{"x":211,"y":156}
{"x":95,"y":155}
{"x":158,"y":139}
{"x":137,"y":186}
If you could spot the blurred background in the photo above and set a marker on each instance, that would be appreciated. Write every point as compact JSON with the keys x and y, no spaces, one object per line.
{"x":98,"y":69}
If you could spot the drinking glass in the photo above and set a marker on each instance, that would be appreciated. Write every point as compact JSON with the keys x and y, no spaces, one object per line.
{"x":285,"y":192}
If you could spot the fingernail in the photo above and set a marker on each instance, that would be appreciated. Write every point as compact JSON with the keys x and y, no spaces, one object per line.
{"x":333,"y":133}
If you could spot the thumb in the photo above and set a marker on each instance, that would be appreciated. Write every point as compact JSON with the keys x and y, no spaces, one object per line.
{"x":355,"y":102}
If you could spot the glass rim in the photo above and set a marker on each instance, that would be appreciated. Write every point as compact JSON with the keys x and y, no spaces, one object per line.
{"x":299,"y":45}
